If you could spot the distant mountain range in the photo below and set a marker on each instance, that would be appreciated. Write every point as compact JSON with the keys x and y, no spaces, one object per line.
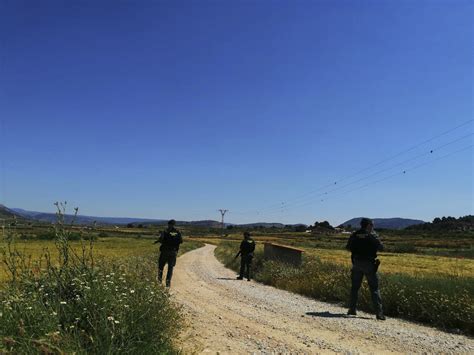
{"x":386,"y":223}
{"x":19,"y":213}
{"x":51,"y":217}
{"x":8,"y":213}
{"x":262,"y":224}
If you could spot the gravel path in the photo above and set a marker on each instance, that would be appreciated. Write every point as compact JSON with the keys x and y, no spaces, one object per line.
{"x":225,"y":315}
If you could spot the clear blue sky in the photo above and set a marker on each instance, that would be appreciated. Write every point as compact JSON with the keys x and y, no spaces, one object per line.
{"x":178,"y":108}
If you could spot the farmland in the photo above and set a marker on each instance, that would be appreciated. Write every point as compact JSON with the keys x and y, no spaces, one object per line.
{"x":418,"y":269}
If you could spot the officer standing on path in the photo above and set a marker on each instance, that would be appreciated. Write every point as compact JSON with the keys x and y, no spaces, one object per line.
{"x":247,"y":247}
{"x":170,"y":240}
{"x":364,"y":245}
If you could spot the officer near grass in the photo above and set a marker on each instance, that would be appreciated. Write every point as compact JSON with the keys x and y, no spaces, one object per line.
{"x":247,"y":247}
{"x":170,"y":241}
{"x":364,"y":245}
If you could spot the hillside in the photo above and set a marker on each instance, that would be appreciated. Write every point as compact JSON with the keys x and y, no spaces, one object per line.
{"x":6,"y":213}
{"x":385,"y":223}
{"x":80,"y":219}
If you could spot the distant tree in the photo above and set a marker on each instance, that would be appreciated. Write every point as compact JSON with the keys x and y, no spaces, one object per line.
{"x":324,"y":225}
{"x":229,"y":227}
{"x":445,"y":224}
{"x":130,"y":225}
{"x":300,"y":228}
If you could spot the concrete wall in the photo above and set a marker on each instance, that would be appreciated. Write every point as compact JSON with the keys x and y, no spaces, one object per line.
{"x":289,"y":255}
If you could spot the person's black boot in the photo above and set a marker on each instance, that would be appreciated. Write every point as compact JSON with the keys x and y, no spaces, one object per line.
{"x":380,"y":316}
{"x":352,"y":312}
{"x":240,"y":278}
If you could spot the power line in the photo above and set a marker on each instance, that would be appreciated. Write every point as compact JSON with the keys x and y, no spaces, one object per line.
{"x":324,"y":194}
{"x":277,"y":206}
{"x":403,"y":172}
{"x":407,"y":150}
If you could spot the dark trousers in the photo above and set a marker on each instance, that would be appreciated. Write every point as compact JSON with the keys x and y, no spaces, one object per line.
{"x":170,"y":259}
{"x":246,"y":266}
{"x":367,"y":268}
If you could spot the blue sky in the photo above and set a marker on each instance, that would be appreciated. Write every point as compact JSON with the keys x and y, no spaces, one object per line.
{"x":167,"y":109}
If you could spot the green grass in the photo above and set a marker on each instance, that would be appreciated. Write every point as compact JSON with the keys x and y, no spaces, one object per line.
{"x":441,"y":300}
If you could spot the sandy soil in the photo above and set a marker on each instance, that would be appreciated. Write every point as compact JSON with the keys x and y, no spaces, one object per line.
{"x":230,"y":316}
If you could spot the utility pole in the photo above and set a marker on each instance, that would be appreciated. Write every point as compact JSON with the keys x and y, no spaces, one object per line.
{"x":223,"y":212}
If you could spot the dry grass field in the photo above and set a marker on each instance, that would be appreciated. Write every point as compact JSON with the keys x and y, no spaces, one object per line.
{"x":392,"y":263}
{"x":109,"y":248}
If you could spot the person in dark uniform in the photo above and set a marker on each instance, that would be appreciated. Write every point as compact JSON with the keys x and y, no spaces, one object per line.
{"x":247,"y":247}
{"x":364,"y":245}
{"x":170,"y":241}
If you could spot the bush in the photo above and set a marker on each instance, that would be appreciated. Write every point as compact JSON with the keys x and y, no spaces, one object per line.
{"x":402,"y":248}
{"x":47,"y":236}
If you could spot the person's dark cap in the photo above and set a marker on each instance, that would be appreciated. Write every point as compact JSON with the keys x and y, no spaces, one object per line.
{"x":172,"y":222}
{"x":364,"y":222}
{"x":246,"y":234}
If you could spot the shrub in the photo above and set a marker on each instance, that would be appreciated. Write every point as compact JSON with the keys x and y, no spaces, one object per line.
{"x":47,"y":236}
{"x":402,"y":248}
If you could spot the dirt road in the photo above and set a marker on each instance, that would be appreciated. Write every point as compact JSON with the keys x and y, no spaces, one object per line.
{"x":231,"y":316}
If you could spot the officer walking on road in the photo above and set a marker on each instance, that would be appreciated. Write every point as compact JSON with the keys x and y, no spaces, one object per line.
{"x":247,"y":247}
{"x":170,"y":240}
{"x":364,"y":245}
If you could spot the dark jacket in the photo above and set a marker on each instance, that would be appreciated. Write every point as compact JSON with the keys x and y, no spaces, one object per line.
{"x":170,"y":241}
{"x":247,"y":247}
{"x":364,"y":245}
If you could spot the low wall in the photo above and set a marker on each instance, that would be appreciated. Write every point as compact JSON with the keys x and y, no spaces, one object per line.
{"x":282,"y":253}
